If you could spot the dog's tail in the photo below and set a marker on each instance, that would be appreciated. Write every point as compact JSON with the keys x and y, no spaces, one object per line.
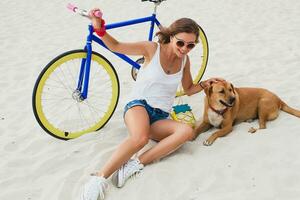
{"x":290,"y":110}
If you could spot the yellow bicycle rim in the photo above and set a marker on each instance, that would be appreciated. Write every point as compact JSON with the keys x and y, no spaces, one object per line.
{"x":38,"y":99}
{"x":203,"y":41}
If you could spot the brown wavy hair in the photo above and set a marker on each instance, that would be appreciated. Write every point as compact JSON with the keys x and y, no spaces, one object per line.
{"x":183,"y":25}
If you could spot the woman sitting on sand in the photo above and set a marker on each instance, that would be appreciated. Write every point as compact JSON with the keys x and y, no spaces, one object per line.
{"x":146,"y":114}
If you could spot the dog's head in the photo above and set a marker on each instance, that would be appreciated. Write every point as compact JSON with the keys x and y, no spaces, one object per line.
{"x":221,"y":94}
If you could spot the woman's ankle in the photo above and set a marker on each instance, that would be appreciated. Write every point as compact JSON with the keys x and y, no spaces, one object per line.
{"x":99,"y":174}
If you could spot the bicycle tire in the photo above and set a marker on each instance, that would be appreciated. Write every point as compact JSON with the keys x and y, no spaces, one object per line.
{"x":204,"y":42}
{"x":56,"y":109}
{"x":198,"y":55}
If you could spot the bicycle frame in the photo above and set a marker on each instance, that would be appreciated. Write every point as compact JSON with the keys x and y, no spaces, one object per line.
{"x":85,"y":64}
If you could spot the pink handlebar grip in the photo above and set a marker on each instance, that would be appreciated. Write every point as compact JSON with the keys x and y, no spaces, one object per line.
{"x":74,"y":8}
{"x":71,"y":7}
{"x":98,"y":13}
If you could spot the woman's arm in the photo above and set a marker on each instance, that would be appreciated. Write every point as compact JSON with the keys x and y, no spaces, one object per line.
{"x":135,"y":48}
{"x":187,"y":81}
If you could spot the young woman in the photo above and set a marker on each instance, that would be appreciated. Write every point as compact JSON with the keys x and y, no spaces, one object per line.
{"x":146,"y":114}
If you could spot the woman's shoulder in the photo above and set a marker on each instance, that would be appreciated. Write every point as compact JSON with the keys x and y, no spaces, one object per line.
{"x":152,"y":46}
{"x":151,"y":49}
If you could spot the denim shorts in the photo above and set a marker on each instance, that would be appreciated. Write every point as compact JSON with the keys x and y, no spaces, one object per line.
{"x":154,"y":114}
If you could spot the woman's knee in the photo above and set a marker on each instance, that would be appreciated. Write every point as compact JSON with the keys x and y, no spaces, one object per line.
{"x":186,"y":132}
{"x":139,"y":141}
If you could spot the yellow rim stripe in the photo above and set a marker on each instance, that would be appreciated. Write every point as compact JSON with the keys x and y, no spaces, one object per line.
{"x":55,"y":65}
{"x":203,"y":64}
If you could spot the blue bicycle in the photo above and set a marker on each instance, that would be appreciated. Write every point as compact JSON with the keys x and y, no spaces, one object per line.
{"x":78,"y":91}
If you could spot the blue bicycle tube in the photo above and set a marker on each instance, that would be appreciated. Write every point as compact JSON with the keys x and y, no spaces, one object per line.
{"x":130,"y":22}
{"x":81,"y":73}
{"x":153,"y":21}
{"x":86,"y":74}
{"x":122,"y":56}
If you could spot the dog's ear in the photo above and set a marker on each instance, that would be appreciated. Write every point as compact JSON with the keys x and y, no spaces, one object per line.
{"x":208,"y":90}
{"x":232,"y":88}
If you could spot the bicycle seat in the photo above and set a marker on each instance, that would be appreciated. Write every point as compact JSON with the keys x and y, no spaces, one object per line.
{"x":154,"y":1}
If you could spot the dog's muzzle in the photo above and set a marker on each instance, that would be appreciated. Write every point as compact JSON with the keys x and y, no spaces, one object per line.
{"x":230,"y":102}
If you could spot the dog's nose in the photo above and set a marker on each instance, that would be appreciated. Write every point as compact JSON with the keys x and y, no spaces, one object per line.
{"x":231,"y":100}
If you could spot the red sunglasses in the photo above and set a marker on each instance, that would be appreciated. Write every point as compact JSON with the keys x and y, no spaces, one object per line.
{"x":180,"y":43}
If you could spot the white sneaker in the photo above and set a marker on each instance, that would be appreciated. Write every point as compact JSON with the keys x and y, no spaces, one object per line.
{"x":94,"y":188}
{"x":132,"y":167}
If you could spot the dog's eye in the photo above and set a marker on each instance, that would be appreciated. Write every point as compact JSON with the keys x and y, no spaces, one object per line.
{"x":222,"y":92}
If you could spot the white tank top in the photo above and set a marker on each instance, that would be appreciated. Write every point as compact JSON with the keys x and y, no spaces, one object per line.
{"x":155,"y":86}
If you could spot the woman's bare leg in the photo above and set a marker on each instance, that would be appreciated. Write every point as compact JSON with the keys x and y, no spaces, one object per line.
{"x":137,"y":122}
{"x":170,"y":134}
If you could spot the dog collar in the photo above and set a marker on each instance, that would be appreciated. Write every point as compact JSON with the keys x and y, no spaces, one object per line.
{"x":219,"y":112}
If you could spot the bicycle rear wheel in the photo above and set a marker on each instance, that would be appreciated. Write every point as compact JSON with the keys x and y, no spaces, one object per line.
{"x":55,"y":101}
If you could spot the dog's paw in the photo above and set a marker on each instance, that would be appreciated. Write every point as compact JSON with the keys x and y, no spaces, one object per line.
{"x":252,"y":130}
{"x":249,"y":120}
{"x":207,"y":143}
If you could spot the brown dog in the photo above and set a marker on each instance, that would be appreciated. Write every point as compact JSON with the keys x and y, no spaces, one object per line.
{"x":226,"y":105}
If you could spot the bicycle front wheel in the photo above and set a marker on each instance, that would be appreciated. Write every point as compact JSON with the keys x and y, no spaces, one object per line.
{"x":55,"y":101}
{"x":198,"y":59}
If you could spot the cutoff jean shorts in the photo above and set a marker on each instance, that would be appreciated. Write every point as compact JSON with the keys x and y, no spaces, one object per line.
{"x":154,"y":114}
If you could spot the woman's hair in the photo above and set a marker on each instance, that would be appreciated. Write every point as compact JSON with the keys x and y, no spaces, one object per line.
{"x":183,"y":25}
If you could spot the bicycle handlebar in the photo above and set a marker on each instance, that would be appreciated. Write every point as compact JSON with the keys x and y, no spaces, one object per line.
{"x":82,"y":12}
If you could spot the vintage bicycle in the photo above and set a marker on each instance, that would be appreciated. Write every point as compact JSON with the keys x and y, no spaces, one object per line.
{"x":78,"y":91}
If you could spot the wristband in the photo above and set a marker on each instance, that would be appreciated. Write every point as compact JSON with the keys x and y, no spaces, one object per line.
{"x":101,"y":31}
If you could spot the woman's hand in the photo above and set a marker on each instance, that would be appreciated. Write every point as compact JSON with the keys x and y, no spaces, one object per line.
{"x":208,"y":82}
{"x":96,"y":21}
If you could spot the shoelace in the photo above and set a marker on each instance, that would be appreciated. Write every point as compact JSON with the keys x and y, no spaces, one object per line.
{"x":104,"y":188}
{"x":131,"y":167}
{"x":103,"y":185}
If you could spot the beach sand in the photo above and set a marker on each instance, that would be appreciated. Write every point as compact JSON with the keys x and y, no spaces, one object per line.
{"x":252,"y":43}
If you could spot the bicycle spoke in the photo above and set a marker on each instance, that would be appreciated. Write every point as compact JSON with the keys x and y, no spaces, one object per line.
{"x":63,"y":111}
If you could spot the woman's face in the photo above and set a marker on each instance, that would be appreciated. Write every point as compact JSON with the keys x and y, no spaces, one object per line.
{"x":183,"y":43}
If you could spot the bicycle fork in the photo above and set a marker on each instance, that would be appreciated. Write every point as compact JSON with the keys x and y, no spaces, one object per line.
{"x":81,"y":92}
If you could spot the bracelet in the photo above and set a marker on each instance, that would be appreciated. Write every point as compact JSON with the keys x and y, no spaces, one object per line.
{"x":101,"y":31}
{"x":200,"y":83}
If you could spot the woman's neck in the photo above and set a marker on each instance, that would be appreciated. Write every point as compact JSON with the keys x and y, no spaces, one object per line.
{"x":168,"y":52}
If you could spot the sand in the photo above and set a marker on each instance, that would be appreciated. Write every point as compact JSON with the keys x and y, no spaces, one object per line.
{"x":252,"y":44}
